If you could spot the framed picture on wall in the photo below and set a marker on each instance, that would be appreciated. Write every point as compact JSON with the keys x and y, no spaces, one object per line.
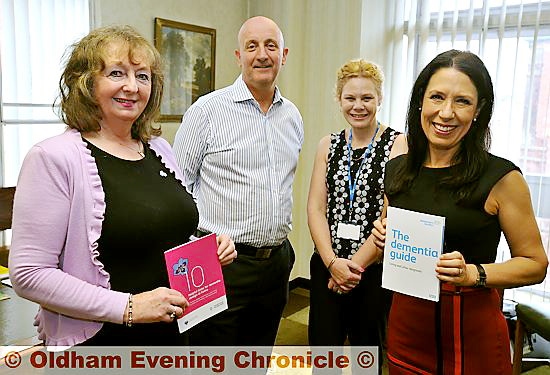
{"x":189,"y":54}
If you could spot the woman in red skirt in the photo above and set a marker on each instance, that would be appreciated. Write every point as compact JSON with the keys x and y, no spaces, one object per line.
{"x":448,"y":171}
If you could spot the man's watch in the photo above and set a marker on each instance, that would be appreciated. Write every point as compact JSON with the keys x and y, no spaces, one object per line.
{"x":481,"y":281}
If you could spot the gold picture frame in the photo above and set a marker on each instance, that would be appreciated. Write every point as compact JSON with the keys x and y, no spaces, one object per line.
{"x":189,"y":54}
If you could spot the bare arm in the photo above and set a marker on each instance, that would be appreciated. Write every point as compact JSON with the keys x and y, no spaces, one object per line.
{"x":368,"y":253}
{"x":317,"y":204}
{"x":529,"y":262}
{"x":317,"y":219}
{"x":399,"y":147}
{"x":511,"y":201}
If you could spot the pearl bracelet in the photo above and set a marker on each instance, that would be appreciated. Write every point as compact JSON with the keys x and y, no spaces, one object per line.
{"x":130,"y":320}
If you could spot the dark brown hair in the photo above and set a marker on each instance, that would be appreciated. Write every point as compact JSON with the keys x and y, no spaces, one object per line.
{"x":471,"y":158}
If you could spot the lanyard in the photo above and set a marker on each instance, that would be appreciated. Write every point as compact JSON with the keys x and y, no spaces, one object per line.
{"x":352,"y":184}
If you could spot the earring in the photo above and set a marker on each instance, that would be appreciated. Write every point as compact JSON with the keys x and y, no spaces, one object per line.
{"x":475,"y":119}
{"x":420,"y":109}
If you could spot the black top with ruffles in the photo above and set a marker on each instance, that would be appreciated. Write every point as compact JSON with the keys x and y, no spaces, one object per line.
{"x":147,"y":212}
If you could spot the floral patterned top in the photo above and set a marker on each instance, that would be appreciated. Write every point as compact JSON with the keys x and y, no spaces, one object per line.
{"x":369,"y":190}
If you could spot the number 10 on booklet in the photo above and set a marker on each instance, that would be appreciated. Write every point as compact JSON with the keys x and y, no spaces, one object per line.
{"x":194,"y":270}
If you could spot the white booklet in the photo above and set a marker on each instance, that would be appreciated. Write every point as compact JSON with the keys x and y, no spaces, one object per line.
{"x":414,"y":242}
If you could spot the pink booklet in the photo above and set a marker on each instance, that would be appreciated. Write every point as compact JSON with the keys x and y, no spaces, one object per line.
{"x":195,"y":271}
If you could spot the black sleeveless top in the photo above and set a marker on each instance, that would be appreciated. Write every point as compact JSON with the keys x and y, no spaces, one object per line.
{"x":147,"y":212}
{"x":469,"y":229}
{"x":369,"y":193}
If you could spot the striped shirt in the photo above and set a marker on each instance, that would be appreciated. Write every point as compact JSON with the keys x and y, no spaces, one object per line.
{"x":240,"y":163}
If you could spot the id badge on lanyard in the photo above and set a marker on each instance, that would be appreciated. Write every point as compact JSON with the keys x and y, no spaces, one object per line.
{"x":352,"y":231}
{"x":348,"y":231}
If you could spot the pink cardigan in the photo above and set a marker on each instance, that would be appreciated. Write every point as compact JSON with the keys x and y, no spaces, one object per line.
{"x":58,"y":212}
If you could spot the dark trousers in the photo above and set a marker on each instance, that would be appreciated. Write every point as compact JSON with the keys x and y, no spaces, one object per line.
{"x":257,"y":292}
{"x":359,"y":316}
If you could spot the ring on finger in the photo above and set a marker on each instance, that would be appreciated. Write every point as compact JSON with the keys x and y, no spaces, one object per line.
{"x":173,"y":314}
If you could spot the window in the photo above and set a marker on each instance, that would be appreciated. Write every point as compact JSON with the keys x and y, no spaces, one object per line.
{"x":513,"y":39}
{"x":33,"y":38}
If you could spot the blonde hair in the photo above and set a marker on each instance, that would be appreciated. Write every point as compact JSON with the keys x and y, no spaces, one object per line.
{"x":79,"y":108}
{"x":359,"y":68}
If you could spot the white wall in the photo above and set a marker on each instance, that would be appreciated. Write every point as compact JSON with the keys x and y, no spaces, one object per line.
{"x":321,"y":35}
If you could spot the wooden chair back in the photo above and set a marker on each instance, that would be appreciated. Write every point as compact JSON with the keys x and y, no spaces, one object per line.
{"x":6,"y":213}
{"x":6,"y":207}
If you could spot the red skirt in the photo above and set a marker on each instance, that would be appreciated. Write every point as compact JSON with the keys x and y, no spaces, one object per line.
{"x":464,"y":333}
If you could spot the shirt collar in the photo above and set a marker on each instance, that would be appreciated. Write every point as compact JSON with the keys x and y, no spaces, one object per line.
{"x":241,"y":92}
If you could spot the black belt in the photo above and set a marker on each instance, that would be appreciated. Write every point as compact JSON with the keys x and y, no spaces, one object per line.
{"x":257,"y":252}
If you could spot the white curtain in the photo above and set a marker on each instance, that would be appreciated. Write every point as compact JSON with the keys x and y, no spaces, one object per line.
{"x":512,"y":37}
{"x":34,"y":35}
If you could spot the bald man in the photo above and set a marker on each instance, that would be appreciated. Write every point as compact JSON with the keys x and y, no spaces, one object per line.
{"x":238,"y":149}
